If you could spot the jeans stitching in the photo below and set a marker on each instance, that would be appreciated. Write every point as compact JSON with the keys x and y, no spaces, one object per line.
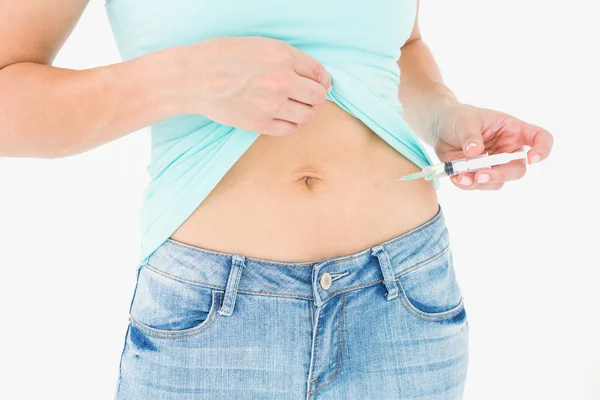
{"x":426,"y":316}
{"x":164,"y":334}
{"x":429,"y":316}
{"x":233,"y":287}
{"x":338,"y":275}
{"x":340,"y":348}
{"x":297,"y":296}
{"x":424,"y":262}
{"x":310,"y":298}
{"x":313,"y":349}
{"x":205,"y":284}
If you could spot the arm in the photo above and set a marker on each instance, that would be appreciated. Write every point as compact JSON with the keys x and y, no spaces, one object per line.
{"x":421,"y":85}
{"x":52,"y":112}
{"x":456,"y":130}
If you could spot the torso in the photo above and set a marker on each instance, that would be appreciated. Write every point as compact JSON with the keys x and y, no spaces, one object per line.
{"x":311,"y":196}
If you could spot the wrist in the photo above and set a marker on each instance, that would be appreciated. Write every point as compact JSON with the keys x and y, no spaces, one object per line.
{"x":143,"y":81}
{"x":157,"y":72}
{"x":166,"y":76}
{"x":441,"y":99}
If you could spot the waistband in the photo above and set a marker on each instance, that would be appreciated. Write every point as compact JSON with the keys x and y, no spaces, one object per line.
{"x":316,"y":281}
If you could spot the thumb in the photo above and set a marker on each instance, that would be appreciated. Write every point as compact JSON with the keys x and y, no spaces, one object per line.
{"x":472,"y":143}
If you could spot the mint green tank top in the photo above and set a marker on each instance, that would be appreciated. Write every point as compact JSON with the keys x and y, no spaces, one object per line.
{"x":357,"y":41}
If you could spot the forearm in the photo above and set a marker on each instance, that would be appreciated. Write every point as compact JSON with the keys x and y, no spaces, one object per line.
{"x":421,"y":90}
{"x":49,"y":112}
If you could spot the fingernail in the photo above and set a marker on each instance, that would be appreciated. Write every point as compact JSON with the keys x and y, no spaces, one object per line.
{"x":535,"y":158}
{"x":467,"y":147}
{"x":465,"y":181}
{"x":483,"y":178}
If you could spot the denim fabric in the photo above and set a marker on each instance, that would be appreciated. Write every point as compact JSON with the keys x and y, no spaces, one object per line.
{"x":388,"y":322}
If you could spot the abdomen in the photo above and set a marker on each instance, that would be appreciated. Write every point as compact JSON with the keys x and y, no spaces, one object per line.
{"x":311,"y":196}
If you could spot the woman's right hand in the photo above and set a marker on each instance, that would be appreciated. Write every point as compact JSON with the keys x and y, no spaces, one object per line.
{"x":253,"y":83}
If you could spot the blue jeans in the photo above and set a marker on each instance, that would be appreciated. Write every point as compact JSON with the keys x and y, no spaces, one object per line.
{"x":388,"y":322}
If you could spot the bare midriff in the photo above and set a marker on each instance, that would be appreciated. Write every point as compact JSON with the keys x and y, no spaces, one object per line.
{"x":312,"y":196}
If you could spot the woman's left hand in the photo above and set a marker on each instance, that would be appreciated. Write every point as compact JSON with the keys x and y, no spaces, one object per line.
{"x":462,"y":130}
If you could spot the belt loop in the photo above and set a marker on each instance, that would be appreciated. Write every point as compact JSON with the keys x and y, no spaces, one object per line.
{"x":389,"y":279}
{"x":231,"y":289}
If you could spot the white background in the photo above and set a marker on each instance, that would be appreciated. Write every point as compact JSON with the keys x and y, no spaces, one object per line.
{"x":525,"y":256}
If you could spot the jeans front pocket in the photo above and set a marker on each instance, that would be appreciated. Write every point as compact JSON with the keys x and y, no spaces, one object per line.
{"x":166,"y":307}
{"x":429,"y":290}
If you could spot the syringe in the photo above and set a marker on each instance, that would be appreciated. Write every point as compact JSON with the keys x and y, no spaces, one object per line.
{"x":450,"y":168}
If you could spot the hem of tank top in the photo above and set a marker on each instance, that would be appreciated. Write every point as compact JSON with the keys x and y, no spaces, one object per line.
{"x":241,"y":145}
{"x":421,"y":159}
{"x":418,"y":157}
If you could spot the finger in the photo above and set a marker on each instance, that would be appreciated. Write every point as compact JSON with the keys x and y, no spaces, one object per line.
{"x":279,"y":127}
{"x":501,"y":173}
{"x":296,"y":112}
{"x":467,"y":182}
{"x":471,"y":138}
{"x":307,"y":91}
{"x":488,"y":186}
{"x":540,"y":141}
{"x":473,"y":146}
{"x":463,"y":181}
{"x":308,"y":67}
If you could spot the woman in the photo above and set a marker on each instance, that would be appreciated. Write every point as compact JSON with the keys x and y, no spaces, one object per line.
{"x":273,"y":264}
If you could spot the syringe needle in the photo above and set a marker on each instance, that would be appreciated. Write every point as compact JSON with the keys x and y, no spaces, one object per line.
{"x":410,"y":177}
{"x":394,"y":180}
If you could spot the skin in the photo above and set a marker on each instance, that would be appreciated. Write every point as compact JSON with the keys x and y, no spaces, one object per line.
{"x":112,"y":107}
{"x":295,"y":178}
{"x":55,"y":112}
{"x":457,"y":130}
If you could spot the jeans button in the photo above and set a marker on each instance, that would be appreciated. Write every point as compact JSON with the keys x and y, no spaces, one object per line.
{"x":325,"y":281}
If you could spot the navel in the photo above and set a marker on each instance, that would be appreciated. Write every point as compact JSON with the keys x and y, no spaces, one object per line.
{"x":309,"y":180}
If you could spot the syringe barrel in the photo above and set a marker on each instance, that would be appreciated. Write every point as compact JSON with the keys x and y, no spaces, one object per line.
{"x":471,"y":164}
